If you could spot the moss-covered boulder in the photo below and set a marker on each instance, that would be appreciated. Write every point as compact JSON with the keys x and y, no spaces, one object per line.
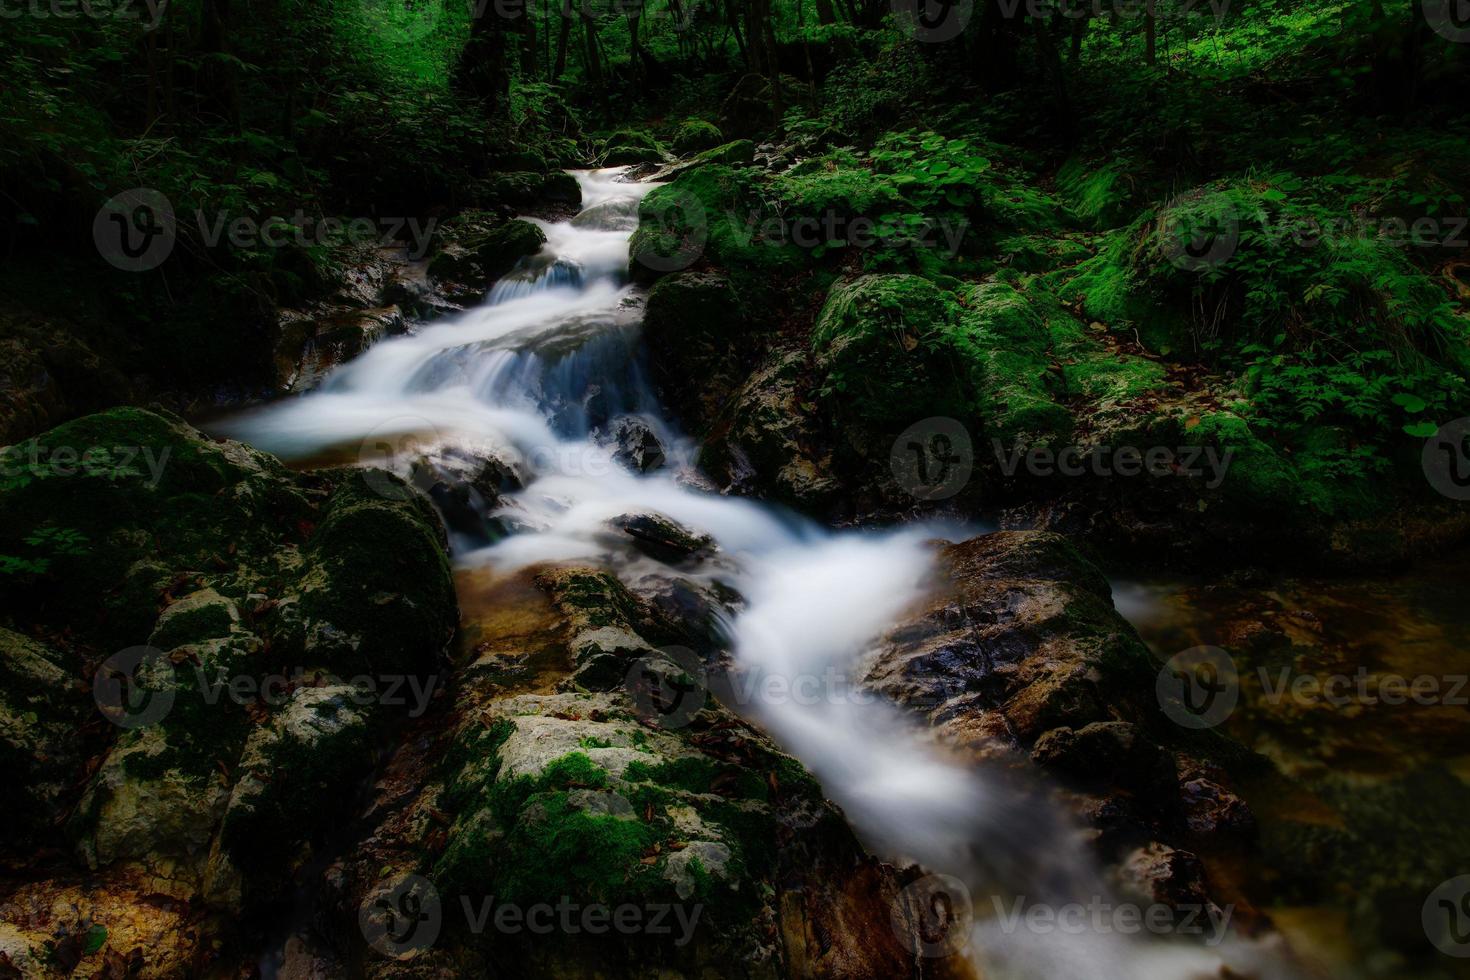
{"x":694,"y":135}
{"x":1013,"y":367}
{"x":713,"y":214}
{"x":629,"y":146}
{"x":473,"y":251}
{"x":247,"y":633}
{"x":695,"y":327}
{"x":889,"y":351}
{"x":549,"y":794}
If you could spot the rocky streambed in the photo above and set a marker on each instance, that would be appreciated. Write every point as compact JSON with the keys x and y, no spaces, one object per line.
{"x":527,"y":695}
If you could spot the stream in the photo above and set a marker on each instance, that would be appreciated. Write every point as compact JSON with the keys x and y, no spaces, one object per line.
{"x":537,"y":374}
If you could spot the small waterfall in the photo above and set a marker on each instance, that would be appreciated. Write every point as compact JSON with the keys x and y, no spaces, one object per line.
{"x":550,"y":358}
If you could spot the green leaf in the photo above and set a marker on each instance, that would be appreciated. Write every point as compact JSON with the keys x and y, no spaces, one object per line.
{"x":1421,"y":430}
{"x":95,"y":940}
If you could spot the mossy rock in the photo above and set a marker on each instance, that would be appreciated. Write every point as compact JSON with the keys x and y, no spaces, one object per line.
{"x":1011,"y":358}
{"x":889,"y":351}
{"x":630,"y":146}
{"x":710,"y":213}
{"x":42,"y":704}
{"x":322,"y":740}
{"x":694,"y":135}
{"x":694,"y":323}
{"x":562,"y":188}
{"x":152,"y":492}
{"x":484,"y":256}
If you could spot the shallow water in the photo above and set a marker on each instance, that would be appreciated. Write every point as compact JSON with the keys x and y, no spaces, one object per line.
{"x":535,"y":375}
{"x":1366,"y":815}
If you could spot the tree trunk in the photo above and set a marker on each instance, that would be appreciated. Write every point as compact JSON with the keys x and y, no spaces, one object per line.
{"x":482,"y":71}
{"x":1150,"y":33}
{"x":826,"y":14}
{"x":218,"y":77}
{"x":561,"y":41}
{"x":592,"y":54}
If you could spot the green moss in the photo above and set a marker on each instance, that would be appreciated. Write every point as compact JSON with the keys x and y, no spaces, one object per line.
{"x":1007,"y":346}
{"x":387,"y":592}
{"x":889,"y":351}
{"x":713,"y":213}
{"x":694,"y":135}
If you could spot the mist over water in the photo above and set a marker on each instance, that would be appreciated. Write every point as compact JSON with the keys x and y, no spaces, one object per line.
{"x":536,"y":374}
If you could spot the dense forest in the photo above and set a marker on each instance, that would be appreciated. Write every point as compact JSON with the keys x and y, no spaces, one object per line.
{"x":784,"y":488}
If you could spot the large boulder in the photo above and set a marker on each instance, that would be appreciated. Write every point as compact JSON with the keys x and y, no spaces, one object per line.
{"x":1021,"y":662}
{"x":248,"y":635}
{"x":474,"y":250}
{"x":581,"y":784}
{"x":696,"y":329}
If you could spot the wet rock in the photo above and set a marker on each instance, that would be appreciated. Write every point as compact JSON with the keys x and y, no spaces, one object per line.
{"x":308,"y":347}
{"x":1113,"y":753}
{"x":1159,"y":874}
{"x":693,"y":323}
{"x":1210,"y":806}
{"x":761,"y":443}
{"x":662,"y":539}
{"x":465,"y":484}
{"x":1023,"y":626}
{"x":639,"y":447}
{"x":474,"y":251}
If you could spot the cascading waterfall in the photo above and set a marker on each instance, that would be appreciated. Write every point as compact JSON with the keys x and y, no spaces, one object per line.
{"x":533,"y":374}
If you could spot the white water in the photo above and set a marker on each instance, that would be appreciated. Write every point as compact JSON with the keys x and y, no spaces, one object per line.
{"x":533,"y":374}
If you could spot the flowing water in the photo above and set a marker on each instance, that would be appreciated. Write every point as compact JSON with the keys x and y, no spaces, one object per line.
{"x":537,"y":374}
